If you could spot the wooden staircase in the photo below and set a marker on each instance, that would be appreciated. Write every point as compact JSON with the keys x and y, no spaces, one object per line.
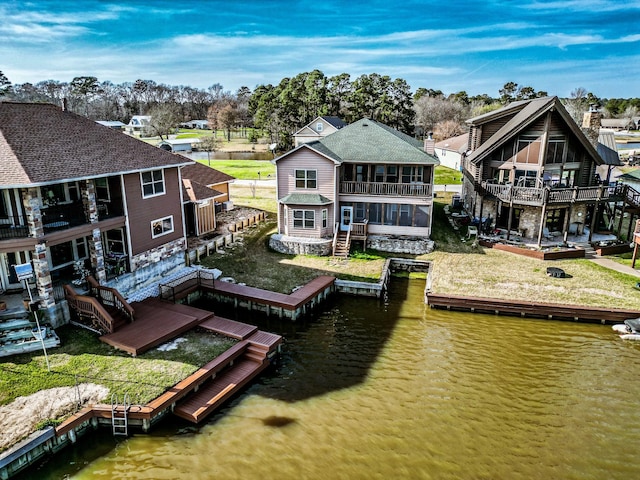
{"x":223,"y":385}
{"x":342,"y":245}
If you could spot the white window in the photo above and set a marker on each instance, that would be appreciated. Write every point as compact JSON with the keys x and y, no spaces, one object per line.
{"x":325,"y":218}
{"x":306,"y":178}
{"x":319,"y":127}
{"x":304,"y":219}
{"x":152,"y":183}
{"x":162,"y":226}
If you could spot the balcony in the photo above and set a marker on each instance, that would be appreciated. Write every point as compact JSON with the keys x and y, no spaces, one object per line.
{"x":387,"y":189}
{"x":13,"y":227}
{"x":539,"y":196}
{"x":63,"y":216}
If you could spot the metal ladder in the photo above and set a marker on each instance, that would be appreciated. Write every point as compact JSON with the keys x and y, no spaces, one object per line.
{"x":119,"y":418}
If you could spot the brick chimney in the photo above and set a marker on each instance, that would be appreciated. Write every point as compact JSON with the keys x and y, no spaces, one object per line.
{"x":430,"y":144}
{"x":592,"y":118}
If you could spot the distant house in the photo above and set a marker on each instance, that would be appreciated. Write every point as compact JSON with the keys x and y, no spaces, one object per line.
{"x":178,"y":145}
{"x":106,"y":200}
{"x":199,"y":124}
{"x":205,"y":190}
{"x":451,"y":150}
{"x":317,"y":129}
{"x":618,"y":124}
{"x":116,"y":125}
{"x":366,"y":181}
{"x":137,"y":124}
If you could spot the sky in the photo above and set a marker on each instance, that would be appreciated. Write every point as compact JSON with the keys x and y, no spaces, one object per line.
{"x":474,"y":46}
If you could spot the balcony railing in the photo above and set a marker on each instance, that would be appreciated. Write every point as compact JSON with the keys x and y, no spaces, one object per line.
{"x":13,"y":227}
{"x":387,"y":189}
{"x":61,"y":217}
{"x":539,"y":196}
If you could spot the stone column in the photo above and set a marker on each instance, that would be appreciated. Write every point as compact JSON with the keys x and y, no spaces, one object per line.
{"x":96,"y":251}
{"x":44,"y":284}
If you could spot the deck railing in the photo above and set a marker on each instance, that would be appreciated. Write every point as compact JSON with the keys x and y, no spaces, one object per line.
{"x":387,"y":189}
{"x":89,"y":307}
{"x":539,"y":196}
{"x":111,"y":297}
{"x":359,"y":230}
{"x":185,"y":284}
{"x":63,"y":216}
{"x":14,"y":226}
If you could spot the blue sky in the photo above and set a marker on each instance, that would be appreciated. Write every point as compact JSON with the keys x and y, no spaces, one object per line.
{"x":475,"y":46}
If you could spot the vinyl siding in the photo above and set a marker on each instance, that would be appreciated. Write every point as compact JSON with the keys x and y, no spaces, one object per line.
{"x":141,"y":211}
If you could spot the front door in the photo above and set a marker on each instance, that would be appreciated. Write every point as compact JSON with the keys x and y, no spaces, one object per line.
{"x":346,"y":215}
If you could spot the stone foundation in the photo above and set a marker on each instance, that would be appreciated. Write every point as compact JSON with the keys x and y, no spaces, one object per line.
{"x":300,"y":245}
{"x":400,"y":244}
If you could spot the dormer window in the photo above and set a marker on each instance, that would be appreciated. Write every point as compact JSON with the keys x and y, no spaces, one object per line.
{"x":319,"y":127}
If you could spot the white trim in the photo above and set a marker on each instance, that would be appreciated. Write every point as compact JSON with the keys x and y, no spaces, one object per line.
{"x":161,"y":222}
{"x":303,"y":219}
{"x":153,"y":182}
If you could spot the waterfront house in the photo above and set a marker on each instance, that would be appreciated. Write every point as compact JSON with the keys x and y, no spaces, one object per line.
{"x":205,"y":193}
{"x":73,"y":192}
{"x":365,"y":182}
{"x":318,"y":128}
{"x":532,"y":170}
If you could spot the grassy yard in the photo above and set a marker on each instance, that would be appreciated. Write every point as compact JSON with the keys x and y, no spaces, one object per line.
{"x":83,"y":358}
{"x":244,"y":169}
{"x":459,"y":267}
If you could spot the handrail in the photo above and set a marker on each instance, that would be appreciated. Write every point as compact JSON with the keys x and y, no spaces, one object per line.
{"x":112,"y":297}
{"x":91,"y":307}
{"x":336,"y":229}
{"x":348,"y":241}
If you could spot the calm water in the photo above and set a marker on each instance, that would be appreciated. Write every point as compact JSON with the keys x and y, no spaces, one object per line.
{"x":379,"y":391}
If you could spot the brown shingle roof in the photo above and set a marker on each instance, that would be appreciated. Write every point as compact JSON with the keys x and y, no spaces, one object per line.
{"x":205,"y":175}
{"x":193,"y":191}
{"x":41,"y":143}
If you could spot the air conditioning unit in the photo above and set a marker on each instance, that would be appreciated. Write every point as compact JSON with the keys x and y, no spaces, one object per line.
{"x":228,"y":205}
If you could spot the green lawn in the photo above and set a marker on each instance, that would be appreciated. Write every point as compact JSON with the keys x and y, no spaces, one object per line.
{"x":83,"y":358}
{"x":244,"y":169}
{"x":447,"y":176}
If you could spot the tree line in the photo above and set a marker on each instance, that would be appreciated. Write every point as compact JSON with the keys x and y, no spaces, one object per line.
{"x":280,"y":110}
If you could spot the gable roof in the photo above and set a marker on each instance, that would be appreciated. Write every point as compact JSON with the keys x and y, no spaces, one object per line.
{"x":458,"y":143}
{"x":205,"y":175}
{"x":369,"y":141}
{"x":337,"y":122}
{"x":40,"y":143}
{"x":525,"y":112}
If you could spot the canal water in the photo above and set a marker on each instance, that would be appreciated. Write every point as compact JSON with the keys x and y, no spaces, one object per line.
{"x":380,"y":390}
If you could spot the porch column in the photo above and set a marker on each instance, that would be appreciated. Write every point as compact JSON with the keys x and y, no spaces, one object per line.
{"x":96,"y":251}
{"x":33,"y":211}
{"x":44,"y":282}
{"x":545,"y":199}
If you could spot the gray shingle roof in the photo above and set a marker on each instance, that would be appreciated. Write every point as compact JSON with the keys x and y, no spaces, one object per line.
{"x":305,"y":199}
{"x":205,"y":175}
{"x":372,"y":142}
{"x":41,"y":143}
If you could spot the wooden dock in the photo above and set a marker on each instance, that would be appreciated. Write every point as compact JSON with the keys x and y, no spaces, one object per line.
{"x":550,"y":311}
{"x":291,"y":305}
{"x":157,"y":321}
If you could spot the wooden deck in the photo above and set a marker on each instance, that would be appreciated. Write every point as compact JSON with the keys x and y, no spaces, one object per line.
{"x":550,"y":311}
{"x":230,"y":328}
{"x":296,"y":303}
{"x":211,"y":395}
{"x":157,"y":321}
